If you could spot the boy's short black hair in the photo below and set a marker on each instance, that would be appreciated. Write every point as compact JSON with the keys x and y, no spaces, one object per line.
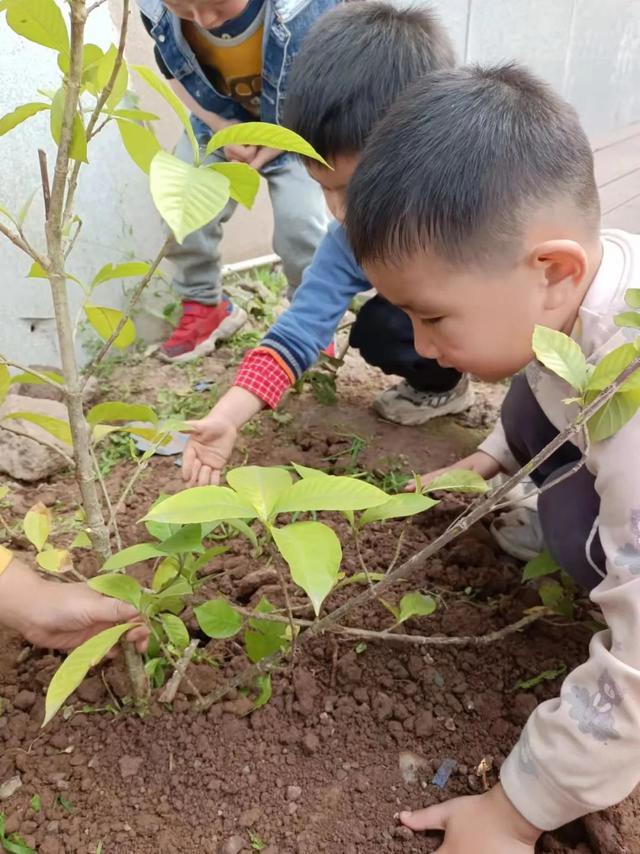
{"x":461,"y":161}
{"x":353,"y":64}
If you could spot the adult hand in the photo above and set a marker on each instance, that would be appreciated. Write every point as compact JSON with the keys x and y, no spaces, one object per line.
{"x":479,"y":462}
{"x":241,"y":153}
{"x":263,"y":156}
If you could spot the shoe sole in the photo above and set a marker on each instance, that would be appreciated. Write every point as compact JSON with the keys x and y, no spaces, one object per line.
{"x":227,"y":329}
{"x":420,"y":416}
{"x":524,"y":554}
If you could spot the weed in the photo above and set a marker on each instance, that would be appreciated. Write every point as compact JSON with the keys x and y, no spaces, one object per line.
{"x":186,"y":403}
{"x":256,"y":843}
{"x":117,"y":448}
{"x":544,"y":676}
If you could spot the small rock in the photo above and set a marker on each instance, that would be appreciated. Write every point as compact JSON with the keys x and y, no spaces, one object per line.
{"x":10,"y":787}
{"x":292,"y":809}
{"x":22,"y":456}
{"x":424,"y":724}
{"x":306,"y":690}
{"x":250,"y":817}
{"x":410,"y":764}
{"x":130,"y":765}
{"x":382,"y":707}
{"x":310,"y":743}
{"x":233,"y":845}
{"x":24,"y":700}
{"x":294,"y":793}
{"x":253,"y":581}
{"x":91,"y":690}
{"x":450,"y":725}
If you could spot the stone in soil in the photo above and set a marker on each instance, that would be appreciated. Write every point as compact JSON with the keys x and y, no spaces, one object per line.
{"x":22,"y":456}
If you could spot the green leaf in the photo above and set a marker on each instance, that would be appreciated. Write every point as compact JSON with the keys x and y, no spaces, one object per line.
{"x":140,"y":143}
{"x":628,"y":319}
{"x":306,"y":471}
{"x":265,"y":691}
{"x":186,"y":197}
{"x":131,"y":555}
{"x":264,"y":637}
{"x":398,"y":507}
{"x":208,"y":556}
{"x":19,"y":115}
{"x":105,"y":321}
{"x":360,"y":578}
{"x":544,"y":676}
{"x":540,"y":566}
{"x":244,"y":181}
{"x":116,"y":410}
{"x":201,"y":504}
{"x":264,"y":134}
{"x":330,"y":493}
{"x":553,"y":596}
{"x":632,"y":297}
{"x":611,"y":366}
{"x":13,"y":844}
{"x":614,"y":415}
{"x":176,"y":630}
{"x":187,"y":539}
{"x":40,"y":21}
{"x":36,"y":271}
{"x":261,"y":486}
{"x":58,"y":428}
{"x":5,"y":382}
{"x":76,"y":666}
{"x":32,"y":379}
{"x":81,"y":541}
{"x":165,"y":573}
{"x":37,"y":525}
{"x":244,"y":529}
{"x":218,"y":619}
{"x":166,"y":92}
{"x":54,"y":560}
{"x":313,"y":553}
{"x":120,"y":271}
{"x":92,"y":55}
{"x":416,"y":604}
{"x":135,"y":115}
{"x":457,"y":480}
{"x":118,"y":586}
{"x":4,"y":491}
{"x":562,"y":355}
{"x":26,"y":207}
{"x":78,"y":149}
{"x":35,"y":803}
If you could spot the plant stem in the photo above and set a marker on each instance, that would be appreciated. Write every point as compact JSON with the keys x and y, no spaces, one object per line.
{"x":169,"y":692}
{"x":107,"y":498}
{"x":22,"y":244}
{"x":42,"y":377}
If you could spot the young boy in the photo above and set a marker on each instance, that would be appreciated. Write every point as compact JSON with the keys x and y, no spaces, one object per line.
{"x":475,"y":209}
{"x":335,"y":105}
{"x":59,"y":616}
{"x":228,"y":61}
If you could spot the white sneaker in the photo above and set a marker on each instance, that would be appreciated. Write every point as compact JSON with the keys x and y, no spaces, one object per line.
{"x":404,"y":404}
{"x":519,"y":533}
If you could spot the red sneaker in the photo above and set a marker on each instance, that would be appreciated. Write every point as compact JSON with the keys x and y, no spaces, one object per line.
{"x":330,"y":350}
{"x":200,"y":328}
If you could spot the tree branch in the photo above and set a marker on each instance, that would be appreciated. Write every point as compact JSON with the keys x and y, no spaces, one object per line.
{"x":42,"y":377}
{"x":23,"y":245}
{"x":169,"y":692}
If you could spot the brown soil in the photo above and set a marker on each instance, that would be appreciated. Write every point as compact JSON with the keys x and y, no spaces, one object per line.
{"x":317,"y":769}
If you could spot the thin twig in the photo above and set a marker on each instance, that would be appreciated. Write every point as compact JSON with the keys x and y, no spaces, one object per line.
{"x":396,"y":556}
{"x":101,"y":101}
{"x":107,"y":498}
{"x":287,"y":602}
{"x":42,"y":377}
{"x":142,"y":284}
{"x":361,"y":560}
{"x":72,"y":242}
{"x":169,"y":692}
{"x":474,"y":513}
{"x":23,"y":245}
{"x":44,"y":178}
{"x":95,"y":5}
{"x":41,"y":441}
{"x":140,"y":468}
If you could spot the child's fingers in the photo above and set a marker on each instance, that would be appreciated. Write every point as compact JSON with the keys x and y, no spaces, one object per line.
{"x":188,"y":458}
{"x":431,"y":818}
{"x":195,"y":472}
{"x":204,"y":478}
{"x":410,"y":487}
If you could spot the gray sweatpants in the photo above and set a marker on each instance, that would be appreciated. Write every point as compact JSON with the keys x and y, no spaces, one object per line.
{"x":300,"y":221}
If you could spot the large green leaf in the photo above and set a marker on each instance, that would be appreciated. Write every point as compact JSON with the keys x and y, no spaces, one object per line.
{"x":614,"y":415}
{"x":218,"y":619}
{"x":131,"y":555}
{"x":244,"y":182}
{"x":78,"y":149}
{"x":416,"y":604}
{"x":37,"y":525}
{"x":260,"y":486}
{"x":398,"y":507}
{"x":54,"y":560}
{"x":76,"y":666}
{"x":140,"y":142}
{"x":201,"y":504}
{"x":135,"y":115}
{"x":264,"y":637}
{"x":306,"y":471}
{"x":58,"y":428}
{"x":539,"y":566}
{"x":611,"y":366}
{"x":106,"y":320}
{"x":32,"y":379}
{"x":176,"y":630}
{"x":5,"y":382}
{"x":118,"y":586}
{"x":39,"y":21}
{"x":166,"y":92}
{"x":562,"y":355}
{"x":20,"y":114}
{"x":330,"y":493}
{"x":632,"y":297}
{"x":313,"y":552}
{"x":120,"y":271}
{"x":263,"y":134}
{"x":628,"y":319}
{"x":116,"y":410}
{"x":186,"y":197}
{"x":457,"y":480}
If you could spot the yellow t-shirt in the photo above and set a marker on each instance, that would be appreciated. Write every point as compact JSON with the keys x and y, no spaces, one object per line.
{"x":233,"y":64}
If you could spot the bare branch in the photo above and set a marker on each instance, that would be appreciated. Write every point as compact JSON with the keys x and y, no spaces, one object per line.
{"x":44,"y":177}
{"x":22,"y":243}
{"x":171,"y":688}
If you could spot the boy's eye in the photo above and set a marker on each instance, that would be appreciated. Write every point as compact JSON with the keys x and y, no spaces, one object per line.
{"x":431,"y":321}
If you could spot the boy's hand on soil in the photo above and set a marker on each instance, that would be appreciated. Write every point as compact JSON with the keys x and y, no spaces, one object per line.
{"x":482,"y":824}
{"x":479,"y":462}
{"x":210,"y":445}
{"x":240,"y":153}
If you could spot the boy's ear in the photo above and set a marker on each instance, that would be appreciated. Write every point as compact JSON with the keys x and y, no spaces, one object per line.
{"x":564,"y":264}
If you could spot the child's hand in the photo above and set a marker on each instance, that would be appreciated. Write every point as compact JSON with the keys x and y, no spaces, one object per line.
{"x":482,"y":824}
{"x":240,"y":153}
{"x":210,"y":444}
{"x":479,"y":462}
{"x":263,"y":156}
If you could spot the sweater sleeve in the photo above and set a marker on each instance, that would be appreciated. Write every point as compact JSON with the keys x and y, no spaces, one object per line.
{"x":579,"y":752}
{"x":329,"y":284}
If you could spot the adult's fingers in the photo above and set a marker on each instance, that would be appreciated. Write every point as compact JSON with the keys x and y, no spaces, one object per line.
{"x":204,"y":478}
{"x":430,"y":818}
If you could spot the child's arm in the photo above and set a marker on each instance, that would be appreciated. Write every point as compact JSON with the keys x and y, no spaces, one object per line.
{"x":288,"y":349}
{"x":59,"y":616}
